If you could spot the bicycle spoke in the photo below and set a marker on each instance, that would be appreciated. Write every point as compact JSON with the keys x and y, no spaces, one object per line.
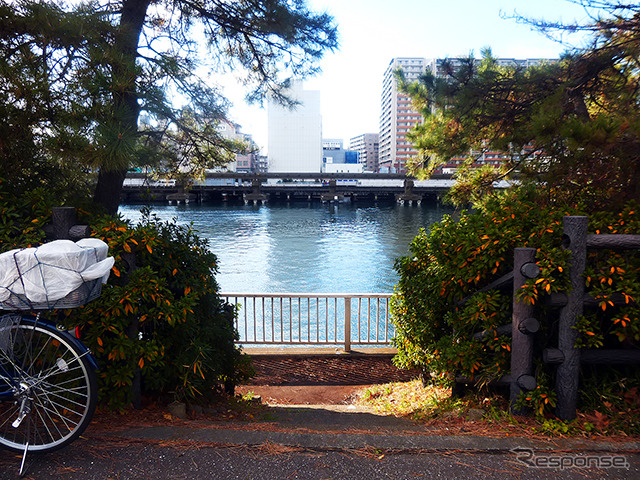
{"x":55,"y":381}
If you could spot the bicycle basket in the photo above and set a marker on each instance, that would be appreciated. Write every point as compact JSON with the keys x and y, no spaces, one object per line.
{"x":58,"y":274}
{"x":82,"y":295}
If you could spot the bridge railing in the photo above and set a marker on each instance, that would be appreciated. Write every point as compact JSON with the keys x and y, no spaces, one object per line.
{"x":312,"y":319}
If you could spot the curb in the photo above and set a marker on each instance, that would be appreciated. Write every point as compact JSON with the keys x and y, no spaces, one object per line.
{"x":346,"y":441}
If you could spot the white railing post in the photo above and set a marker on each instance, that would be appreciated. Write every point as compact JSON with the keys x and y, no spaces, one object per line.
{"x":347,"y":324}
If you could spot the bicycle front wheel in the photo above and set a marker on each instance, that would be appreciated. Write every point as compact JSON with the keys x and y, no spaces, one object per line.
{"x":48,"y":387}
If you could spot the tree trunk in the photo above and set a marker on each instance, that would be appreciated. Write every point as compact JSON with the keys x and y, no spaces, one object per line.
{"x":125,"y":96}
{"x":108,"y":189}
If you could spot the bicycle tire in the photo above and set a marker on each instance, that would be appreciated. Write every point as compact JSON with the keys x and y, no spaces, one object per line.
{"x":41,"y":364}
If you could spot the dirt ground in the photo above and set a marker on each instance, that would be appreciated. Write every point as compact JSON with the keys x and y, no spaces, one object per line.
{"x":319,"y":379}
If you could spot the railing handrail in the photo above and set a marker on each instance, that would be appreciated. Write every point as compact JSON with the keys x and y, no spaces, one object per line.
{"x":312,"y":318}
{"x":307,"y":295}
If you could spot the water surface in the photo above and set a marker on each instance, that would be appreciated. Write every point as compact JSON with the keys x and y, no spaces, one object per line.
{"x":304,"y":247}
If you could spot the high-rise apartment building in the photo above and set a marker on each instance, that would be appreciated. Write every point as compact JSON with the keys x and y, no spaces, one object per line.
{"x":367,"y":145}
{"x":295,"y":134}
{"x":398,"y":116}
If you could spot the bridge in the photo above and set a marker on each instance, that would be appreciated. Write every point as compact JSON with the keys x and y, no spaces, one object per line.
{"x":257,"y":188}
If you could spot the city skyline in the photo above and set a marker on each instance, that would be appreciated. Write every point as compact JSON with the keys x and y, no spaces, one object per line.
{"x":374,"y":32}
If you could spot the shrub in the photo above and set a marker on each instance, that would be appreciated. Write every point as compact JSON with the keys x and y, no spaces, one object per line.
{"x":437,"y":306}
{"x":159,"y":326}
{"x":23,"y":216}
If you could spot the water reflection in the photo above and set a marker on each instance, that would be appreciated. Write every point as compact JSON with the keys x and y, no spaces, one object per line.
{"x":305,"y":247}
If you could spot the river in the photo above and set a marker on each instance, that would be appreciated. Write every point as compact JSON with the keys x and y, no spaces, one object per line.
{"x":304,"y":247}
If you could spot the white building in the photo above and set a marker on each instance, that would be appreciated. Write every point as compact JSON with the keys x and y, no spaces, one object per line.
{"x":343,"y":168}
{"x":295,"y":134}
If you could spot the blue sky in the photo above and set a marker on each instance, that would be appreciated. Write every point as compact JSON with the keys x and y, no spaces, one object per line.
{"x":372,"y":32}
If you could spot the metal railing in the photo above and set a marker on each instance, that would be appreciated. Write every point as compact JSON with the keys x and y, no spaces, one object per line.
{"x":312,"y":319}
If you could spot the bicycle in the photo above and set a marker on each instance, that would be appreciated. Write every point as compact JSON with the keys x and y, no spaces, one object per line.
{"x":48,"y":386}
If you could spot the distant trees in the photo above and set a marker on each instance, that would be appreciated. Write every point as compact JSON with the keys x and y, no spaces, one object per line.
{"x":571,"y":125}
{"x":75,"y":81}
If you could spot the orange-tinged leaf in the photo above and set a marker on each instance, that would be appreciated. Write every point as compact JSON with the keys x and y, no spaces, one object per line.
{"x":175,"y":270}
{"x":141,"y":363}
{"x":126,"y":248}
{"x":149,"y":248}
{"x":100,"y":341}
{"x":187,"y":290}
{"x":116,"y":272}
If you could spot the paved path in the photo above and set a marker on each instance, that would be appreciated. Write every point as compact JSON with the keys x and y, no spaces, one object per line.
{"x":318,"y":442}
{"x":302,"y":442}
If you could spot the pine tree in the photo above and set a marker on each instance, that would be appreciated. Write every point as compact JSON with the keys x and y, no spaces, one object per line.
{"x":148,"y":52}
{"x":572,"y":125}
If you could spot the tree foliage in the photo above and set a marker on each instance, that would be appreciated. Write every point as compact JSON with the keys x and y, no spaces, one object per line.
{"x":46,"y":107}
{"x":572,"y":125}
{"x":571,"y":130}
{"x":84,"y":76}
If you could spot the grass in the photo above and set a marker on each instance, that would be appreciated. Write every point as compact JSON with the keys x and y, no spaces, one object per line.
{"x":414,"y":400}
{"x":432,"y":404}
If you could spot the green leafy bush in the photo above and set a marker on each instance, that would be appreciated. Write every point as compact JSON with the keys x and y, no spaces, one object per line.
{"x":159,"y":326}
{"x":22,"y":216}
{"x":437,"y":306}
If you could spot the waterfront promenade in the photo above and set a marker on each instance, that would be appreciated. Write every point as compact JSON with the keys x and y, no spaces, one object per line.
{"x":282,"y":441}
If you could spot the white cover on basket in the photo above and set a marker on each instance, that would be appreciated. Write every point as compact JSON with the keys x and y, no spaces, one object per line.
{"x":53,"y":270}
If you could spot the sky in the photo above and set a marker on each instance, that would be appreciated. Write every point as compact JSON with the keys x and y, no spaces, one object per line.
{"x":373,"y":32}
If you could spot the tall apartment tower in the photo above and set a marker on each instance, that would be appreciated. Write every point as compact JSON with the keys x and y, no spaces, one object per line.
{"x":398,"y":116}
{"x":367,"y":145}
{"x":295,"y":134}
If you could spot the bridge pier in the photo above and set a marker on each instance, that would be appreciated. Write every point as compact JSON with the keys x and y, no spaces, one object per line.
{"x":332,"y":195}
{"x":181,"y":197}
{"x":408,"y":195}
{"x":256,"y":195}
